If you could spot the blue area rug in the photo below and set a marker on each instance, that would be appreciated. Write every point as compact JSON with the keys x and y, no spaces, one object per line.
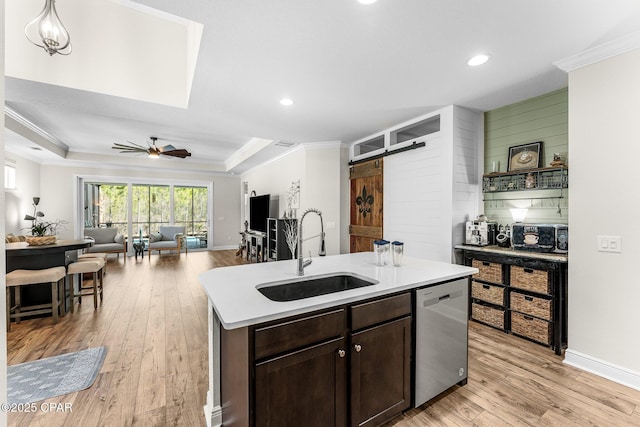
{"x":54,"y":376}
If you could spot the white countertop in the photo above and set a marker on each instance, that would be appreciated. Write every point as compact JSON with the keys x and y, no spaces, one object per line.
{"x":233,"y":294}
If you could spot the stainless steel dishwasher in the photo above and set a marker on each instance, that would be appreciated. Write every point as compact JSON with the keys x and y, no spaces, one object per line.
{"x":441,"y":338}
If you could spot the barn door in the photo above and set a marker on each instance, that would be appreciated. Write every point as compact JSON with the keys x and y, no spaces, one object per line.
{"x":366,"y":205}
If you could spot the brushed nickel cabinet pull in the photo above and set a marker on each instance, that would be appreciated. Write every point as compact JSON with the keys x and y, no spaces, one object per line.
{"x":342,"y":353}
{"x":357,"y":347}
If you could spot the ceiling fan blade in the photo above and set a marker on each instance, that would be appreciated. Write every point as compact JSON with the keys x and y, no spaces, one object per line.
{"x":137,"y":145}
{"x":181,"y":153}
{"x":166,"y":148}
{"x":128,"y":149}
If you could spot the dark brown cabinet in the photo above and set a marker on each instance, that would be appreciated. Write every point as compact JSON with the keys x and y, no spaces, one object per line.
{"x":306,"y":387}
{"x":350,"y":365}
{"x":380,"y":372}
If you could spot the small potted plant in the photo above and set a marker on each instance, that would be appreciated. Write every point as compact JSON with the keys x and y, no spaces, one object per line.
{"x":42,"y":232}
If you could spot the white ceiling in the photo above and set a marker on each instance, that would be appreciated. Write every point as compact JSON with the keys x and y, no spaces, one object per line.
{"x":351,"y":69}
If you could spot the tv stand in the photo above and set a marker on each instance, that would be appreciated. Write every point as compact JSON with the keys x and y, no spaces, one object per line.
{"x":256,"y":243}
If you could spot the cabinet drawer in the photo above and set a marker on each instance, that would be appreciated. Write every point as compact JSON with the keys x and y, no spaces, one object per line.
{"x":490,"y":315}
{"x":488,"y":293}
{"x":536,"y":329}
{"x":489,"y":271}
{"x":527,"y":304}
{"x":287,"y":336}
{"x":373,"y":312}
{"x":530,"y":279}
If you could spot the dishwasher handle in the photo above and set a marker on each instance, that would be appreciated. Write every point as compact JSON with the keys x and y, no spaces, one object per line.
{"x":443,"y":298}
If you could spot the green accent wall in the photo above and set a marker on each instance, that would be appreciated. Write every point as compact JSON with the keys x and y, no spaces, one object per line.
{"x":543,"y":118}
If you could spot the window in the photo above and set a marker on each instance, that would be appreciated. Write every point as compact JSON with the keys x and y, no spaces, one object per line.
{"x":9,"y":177}
{"x":151,"y":208}
{"x":190,"y":209}
{"x":106,"y":205}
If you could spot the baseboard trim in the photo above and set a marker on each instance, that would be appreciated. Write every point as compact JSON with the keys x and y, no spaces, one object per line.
{"x":224,"y":248}
{"x":603,"y":369}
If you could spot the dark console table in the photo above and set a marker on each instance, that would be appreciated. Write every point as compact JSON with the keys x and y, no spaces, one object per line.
{"x":519,"y":292}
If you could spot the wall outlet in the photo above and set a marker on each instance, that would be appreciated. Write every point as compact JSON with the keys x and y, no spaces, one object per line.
{"x":609,"y":244}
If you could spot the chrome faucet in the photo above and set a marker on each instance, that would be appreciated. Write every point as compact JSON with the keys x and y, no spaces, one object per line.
{"x":302,"y":263}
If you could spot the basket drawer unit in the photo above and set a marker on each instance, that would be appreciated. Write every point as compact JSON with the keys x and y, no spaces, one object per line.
{"x":535,"y":306}
{"x":490,"y":315}
{"x":530,"y":279}
{"x":489,"y":293}
{"x":489,"y":271}
{"x":533,"y":328}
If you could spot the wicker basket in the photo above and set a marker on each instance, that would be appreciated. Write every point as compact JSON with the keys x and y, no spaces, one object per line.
{"x":489,"y":271}
{"x":488,"y":293}
{"x":41,"y":240}
{"x":539,"y":307}
{"x":536,"y":329}
{"x":489,"y":315}
{"x":530,"y":279}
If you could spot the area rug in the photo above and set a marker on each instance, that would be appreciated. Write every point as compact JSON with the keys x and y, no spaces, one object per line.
{"x":54,"y":376}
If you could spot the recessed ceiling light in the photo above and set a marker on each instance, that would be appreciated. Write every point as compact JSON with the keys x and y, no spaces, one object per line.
{"x":286,"y":101}
{"x":478,"y":59}
{"x":367,"y":1}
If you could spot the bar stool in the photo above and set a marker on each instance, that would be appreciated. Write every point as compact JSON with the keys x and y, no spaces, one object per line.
{"x":94,"y":266}
{"x":18,"y":278}
{"x":94,"y":255}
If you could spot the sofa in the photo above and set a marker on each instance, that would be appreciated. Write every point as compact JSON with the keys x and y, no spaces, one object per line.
{"x":106,"y":240}
{"x":168,"y":238}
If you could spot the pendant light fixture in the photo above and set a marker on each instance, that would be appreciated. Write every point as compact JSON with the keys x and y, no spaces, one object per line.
{"x":46,"y":31}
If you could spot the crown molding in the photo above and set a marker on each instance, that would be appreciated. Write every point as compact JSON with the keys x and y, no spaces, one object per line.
{"x":27,"y":129}
{"x":601,"y":52}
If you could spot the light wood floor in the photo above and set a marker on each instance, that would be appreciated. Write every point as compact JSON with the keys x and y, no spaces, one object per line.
{"x":154,"y":322}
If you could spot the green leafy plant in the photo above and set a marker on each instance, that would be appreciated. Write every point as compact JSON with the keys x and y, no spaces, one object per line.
{"x":39,"y":227}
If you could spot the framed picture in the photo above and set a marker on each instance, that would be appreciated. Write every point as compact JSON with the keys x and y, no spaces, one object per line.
{"x":526,"y":156}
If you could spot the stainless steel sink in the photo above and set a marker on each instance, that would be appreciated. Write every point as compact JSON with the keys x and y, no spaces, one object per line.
{"x":307,"y":287}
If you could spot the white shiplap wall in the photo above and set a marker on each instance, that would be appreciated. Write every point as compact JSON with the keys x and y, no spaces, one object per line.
{"x":430,"y":192}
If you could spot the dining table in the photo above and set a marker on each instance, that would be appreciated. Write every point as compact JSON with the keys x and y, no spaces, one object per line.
{"x":21,"y":255}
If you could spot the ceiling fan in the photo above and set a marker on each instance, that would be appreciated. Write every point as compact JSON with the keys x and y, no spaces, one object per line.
{"x":152,"y":150}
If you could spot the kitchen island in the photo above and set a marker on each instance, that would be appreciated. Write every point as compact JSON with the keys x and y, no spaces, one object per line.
{"x":243,"y":320}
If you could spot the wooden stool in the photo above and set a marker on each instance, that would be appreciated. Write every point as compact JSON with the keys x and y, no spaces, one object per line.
{"x":18,"y":278}
{"x":101,"y":255}
{"x":94,"y":266}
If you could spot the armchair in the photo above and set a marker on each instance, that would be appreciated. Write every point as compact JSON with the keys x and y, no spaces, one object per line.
{"x":106,"y":240}
{"x":169,"y":238}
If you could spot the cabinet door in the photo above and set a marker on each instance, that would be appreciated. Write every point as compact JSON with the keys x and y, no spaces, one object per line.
{"x":380,"y":372}
{"x":306,"y":387}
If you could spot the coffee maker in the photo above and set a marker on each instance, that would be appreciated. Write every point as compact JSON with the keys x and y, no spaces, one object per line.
{"x":481,"y":232}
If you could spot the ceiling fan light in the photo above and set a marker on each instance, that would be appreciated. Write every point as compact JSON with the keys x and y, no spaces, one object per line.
{"x":479,"y":59}
{"x":154,"y":155}
{"x":53,"y":36}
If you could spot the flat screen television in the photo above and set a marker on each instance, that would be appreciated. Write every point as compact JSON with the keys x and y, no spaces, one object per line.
{"x":259,"y":208}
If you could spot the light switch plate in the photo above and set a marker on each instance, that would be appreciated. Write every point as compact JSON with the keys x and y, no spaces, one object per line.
{"x":609,"y":244}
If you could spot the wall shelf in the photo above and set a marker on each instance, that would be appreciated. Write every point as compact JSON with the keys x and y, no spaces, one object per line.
{"x":526,"y":180}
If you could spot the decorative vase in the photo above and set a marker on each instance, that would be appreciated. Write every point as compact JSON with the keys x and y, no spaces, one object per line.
{"x":41,"y":240}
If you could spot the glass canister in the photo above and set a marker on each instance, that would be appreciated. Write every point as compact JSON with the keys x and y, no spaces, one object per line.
{"x":397,"y":250}
{"x":380,"y":251}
